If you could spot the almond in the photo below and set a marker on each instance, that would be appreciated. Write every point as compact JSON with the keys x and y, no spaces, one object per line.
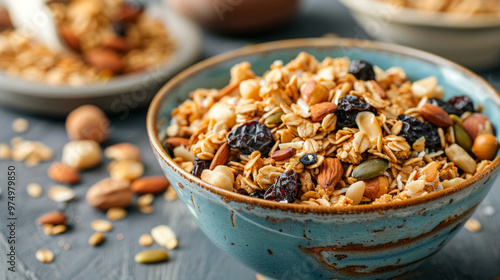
{"x":109,"y":193}
{"x":152,"y":184}
{"x":378,"y":89}
{"x":53,"y":218}
{"x":320,"y":110}
{"x":221,"y":156}
{"x":331,"y":171}
{"x":69,"y":37}
{"x":376,"y":187}
{"x":176,"y":142}
{"x":477,"y":124}
{"x":313,"y":93}
{"x":104,"y":59}
{"x":87,"y":122}
{"x":63,"y":173}
{"x":116,"y":43}
{"x":435,"y":115}
{"x":284,"y":154}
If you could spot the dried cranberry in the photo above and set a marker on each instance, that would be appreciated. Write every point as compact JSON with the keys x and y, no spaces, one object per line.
{"x":348,"y":109}
{"x":199,"y":165}
{"x":443,"y":105}
{"x":413,"y":129}
{"x":285,"y":188}
{"x":461,"y":104}
{"x":362,"y":70}
{"x":250,"y":137}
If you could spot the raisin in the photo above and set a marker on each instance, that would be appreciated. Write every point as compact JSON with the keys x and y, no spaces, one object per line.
{"x":308,"y":159}
{"x":461,"y":104}
{"x":443,"y":105}
{"x":362,"y":70}
{"x":348,"y":109}
{"x":199,"y":165}
{"x":285,"y":188}
{"x":413,"y":129}
{"x":250,"y":137}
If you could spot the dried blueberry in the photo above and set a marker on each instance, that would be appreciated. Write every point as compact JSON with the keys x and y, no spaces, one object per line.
{"x":250,"y":137}
{"x":362,"y":70}
{"x":119,"y":28}
{"x":199,"y":165}
{"x":413,"y":129}
{"x":443,"y":105}
{"x":285,"y":188}
{"x":348,"y":109}
{"x":308,"y":159}
{"x":461,"y":104}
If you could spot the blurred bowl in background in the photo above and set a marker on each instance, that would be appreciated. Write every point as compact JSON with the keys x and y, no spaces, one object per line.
{"x":471,"y":40}
{"x":237,"y":16}
{"x":119,"y":95}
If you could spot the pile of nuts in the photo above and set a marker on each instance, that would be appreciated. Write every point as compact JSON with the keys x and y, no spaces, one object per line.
{"x":87,"y":128}
{"x":107,"y":38}
{"x":332,"y":133}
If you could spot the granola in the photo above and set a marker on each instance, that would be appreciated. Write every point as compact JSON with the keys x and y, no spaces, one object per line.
{"x":107,"y":38}
{"x":452,"y":6}
{"x":333,"y":133}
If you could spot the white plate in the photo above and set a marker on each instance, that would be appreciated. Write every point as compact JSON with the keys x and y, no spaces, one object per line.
{"x":118,"y":96}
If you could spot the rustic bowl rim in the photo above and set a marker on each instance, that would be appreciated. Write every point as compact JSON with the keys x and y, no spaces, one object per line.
{"x":227,"y":196}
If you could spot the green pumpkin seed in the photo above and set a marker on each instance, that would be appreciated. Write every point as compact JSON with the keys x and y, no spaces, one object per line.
{"x":370,"y":169}
{"x":151,"y":256}
{"x":462,"y":137}
{"x":274,"y":119}
{"x":456,"y":119}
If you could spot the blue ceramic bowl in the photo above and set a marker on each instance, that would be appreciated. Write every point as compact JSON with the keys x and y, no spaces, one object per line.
{"x":287,"y":241}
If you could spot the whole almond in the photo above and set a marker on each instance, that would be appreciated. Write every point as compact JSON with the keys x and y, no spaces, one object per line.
{"x":104,"y":59}
{"x":53,"y":218}
{"x":330,"y":172}
{"x":123,"y":151}
{"x":378,"y":89}
{"x":63,"y":173}
{"x":435,"y":115}
{"x":87,"y":122}
{"x":151,"y":184}
{"x":376,"y":187}
{"x":116,"y":43}
{"x":283,"y":154}
{"x":313,"y":93}
{"x":477,"y":124}
{"x":69,"y":37}
{"x":176,"y":142}
{"x":320,"y":110}
{"x":109,"y":193}
{"x":221,"y":156}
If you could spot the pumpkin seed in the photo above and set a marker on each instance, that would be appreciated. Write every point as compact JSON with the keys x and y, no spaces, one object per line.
{"x":370,"y":169}
{"x":456,"y":119}
{"x":462,"y":137}
{"x":274,"y":119}
{"x":151,"y":256}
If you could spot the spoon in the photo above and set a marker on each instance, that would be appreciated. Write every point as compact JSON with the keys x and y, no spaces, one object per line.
{"x":34,"y":19}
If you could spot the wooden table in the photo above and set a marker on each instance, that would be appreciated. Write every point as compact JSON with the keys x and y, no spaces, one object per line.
{"x":467,"y":256}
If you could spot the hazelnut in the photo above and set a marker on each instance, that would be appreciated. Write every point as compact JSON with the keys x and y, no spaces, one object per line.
{"x":87,"y":122}
{"x":477,"y":124}
{"x":485,"y":146}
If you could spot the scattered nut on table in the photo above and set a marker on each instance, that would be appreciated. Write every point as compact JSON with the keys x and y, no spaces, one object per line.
{"x":109,"y":193}
{"x":87,"y":122}
{"x":82,"y":154}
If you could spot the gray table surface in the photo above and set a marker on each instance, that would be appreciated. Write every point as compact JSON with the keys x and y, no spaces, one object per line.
{"x":467,"y":256}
